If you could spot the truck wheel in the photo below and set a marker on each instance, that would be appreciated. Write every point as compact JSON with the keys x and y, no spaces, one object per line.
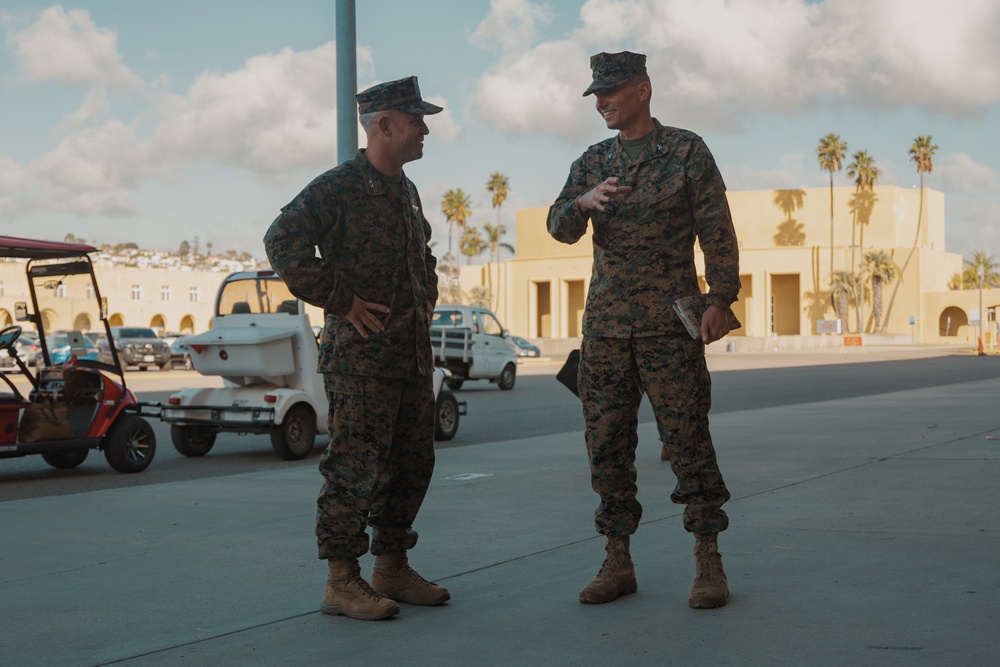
{"x":294,"y":438}
{"x":130,"y":444}
{"x":192,"y":440}
{"x":66,"y":459}
{"x":454,"y":384}
{"x":506,"y":378}
{"x":445,"y":416}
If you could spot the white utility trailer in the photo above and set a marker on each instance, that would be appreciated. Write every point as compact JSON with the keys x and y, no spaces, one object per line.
{"x":264,"y":348}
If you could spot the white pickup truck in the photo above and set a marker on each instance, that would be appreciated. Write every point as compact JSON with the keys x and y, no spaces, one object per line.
{"x":471,"y":343}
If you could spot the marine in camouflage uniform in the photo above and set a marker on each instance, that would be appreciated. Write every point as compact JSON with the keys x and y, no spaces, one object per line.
{"x":355,"y":242}
{"x":649,"y":193}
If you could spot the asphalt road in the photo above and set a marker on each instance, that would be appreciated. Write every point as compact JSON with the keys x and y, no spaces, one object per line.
{"x":537,"y":406}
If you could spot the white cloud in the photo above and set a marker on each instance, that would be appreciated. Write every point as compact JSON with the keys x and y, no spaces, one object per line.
{"x":960,"y":173}
{"x":538,"y":92}
{"x":66,"y":46}
{"x":92,"y":171}
{"x":512,"y":25}
{"x":442,"y":125}
{"x":716,"y":61}
{"x":272,"y":116}
{"x":11,"y":186}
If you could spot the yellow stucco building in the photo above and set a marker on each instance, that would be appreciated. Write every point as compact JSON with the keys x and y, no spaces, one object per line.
{"x":785,"y":265}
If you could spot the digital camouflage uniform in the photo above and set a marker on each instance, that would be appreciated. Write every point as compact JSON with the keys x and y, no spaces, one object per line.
{"x":633,"y":340}
{"x":373,"y":244}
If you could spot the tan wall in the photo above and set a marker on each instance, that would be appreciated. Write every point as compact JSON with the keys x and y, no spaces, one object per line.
{"x":785,"y":256}
{"x":179,"y":314}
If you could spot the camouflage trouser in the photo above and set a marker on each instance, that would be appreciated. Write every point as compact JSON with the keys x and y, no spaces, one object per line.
{"x":378,"y":465}
{"x":614,"y":373}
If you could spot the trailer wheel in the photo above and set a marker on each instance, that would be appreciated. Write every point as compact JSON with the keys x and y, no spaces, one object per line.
{"x":454,"y":384}
{"x":192,"y":440}
{"x":506,"y":378}
{"x":130,"y":444}
{"x":294,"y":438}
{"x":66,"y":459}
{"x":445,"y":416}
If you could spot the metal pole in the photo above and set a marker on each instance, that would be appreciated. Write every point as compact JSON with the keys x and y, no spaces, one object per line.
{"x":979,"y":346}
{"x":347,"y":82}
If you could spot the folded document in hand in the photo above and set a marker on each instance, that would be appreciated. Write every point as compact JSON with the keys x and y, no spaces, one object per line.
{"x":691,"y":308}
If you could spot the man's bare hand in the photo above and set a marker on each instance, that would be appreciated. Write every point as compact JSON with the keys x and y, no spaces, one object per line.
{"x":714,"y":324}
{"x":362,"y":316}
{"x":604,"y":192}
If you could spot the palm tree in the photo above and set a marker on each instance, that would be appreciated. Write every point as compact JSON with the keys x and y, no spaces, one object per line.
{"x":456,"y":208}
{"x":499,"y":185}
{"x":471,"y":244}
{"x":865,"y":173}
{"x":969,"y":278}
{"x":841,"y":290}
{"x":883,"y":270}
{"x":922,"y":153}
{"x":493,"y":235}
{"x":831,"y":151}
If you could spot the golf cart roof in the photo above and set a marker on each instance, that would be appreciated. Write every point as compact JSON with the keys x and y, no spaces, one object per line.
{"x":12,"y":246}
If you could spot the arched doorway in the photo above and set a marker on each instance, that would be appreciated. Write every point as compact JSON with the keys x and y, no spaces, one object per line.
{"x":116,"y":320}
{"x":82,"y":322}
{"x":952,"y":318}
{"x":187,"y":325}
{"x":158,"y":324}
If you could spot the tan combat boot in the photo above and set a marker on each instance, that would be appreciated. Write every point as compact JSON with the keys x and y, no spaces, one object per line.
{"x":711,"y":587}
{"x":348,"y":594}
{"x":394,"y":578}
{"x":616,"y":576}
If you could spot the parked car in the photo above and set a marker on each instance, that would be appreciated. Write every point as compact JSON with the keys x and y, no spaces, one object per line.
{"x":26,"y":346}
{"x":137,"y":346}
{"x":524,"y":348}
{"x":471,"y":343}
{"x":179,"y":355}
{"x":60,"y":349}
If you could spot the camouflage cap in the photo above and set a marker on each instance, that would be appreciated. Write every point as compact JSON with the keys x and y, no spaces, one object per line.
{"x":614,"y":69}
{"x":402,"y":95}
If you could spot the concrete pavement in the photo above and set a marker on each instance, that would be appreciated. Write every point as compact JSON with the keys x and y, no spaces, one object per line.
{"x":863,"y":532}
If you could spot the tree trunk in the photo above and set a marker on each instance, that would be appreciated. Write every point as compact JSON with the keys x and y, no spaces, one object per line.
{"x":902,"y":272}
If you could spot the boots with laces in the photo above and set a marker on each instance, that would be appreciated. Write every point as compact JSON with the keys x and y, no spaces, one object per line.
{"x":348,"y":594}
{"x":394,"y":578}
{"x":616,"y":576}
{"x":711,"y":587}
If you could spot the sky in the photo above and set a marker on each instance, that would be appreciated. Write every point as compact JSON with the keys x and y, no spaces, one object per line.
{"x":159,"y":122}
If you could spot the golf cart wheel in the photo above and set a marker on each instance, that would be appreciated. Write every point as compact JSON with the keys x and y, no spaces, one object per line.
{"x":293,"y":438}
{"x":66,"y":459}
{"x":454,"y":384}
{"x":130,"y":444}
{"x":506,"y":379}
{"x":445,"y":416}
{"x":192,"y":440}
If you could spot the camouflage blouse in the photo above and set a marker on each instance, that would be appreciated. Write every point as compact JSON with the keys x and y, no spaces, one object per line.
{"x":373,"y":244}
{"x":644,"y":244}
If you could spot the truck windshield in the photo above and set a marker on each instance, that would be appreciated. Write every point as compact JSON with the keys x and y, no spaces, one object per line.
{"x":255,"y":295}
{"x":447,"y":318}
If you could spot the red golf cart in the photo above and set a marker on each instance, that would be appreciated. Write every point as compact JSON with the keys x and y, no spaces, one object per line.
{"x":82,"y":404}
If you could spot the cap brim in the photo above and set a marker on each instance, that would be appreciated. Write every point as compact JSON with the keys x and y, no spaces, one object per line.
{"x":424,"y":109}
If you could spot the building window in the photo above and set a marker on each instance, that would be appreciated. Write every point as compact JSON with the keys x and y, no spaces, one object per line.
{"x":137,"y":292}
{"x":166,"y":293}
{"x":194,"y":295}
{"x":60,"y":291}
{"x":1,"y":288}
{"x":90,"y":291}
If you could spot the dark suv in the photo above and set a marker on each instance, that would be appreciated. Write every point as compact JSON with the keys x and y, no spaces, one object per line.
{"x":137,"y":346}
